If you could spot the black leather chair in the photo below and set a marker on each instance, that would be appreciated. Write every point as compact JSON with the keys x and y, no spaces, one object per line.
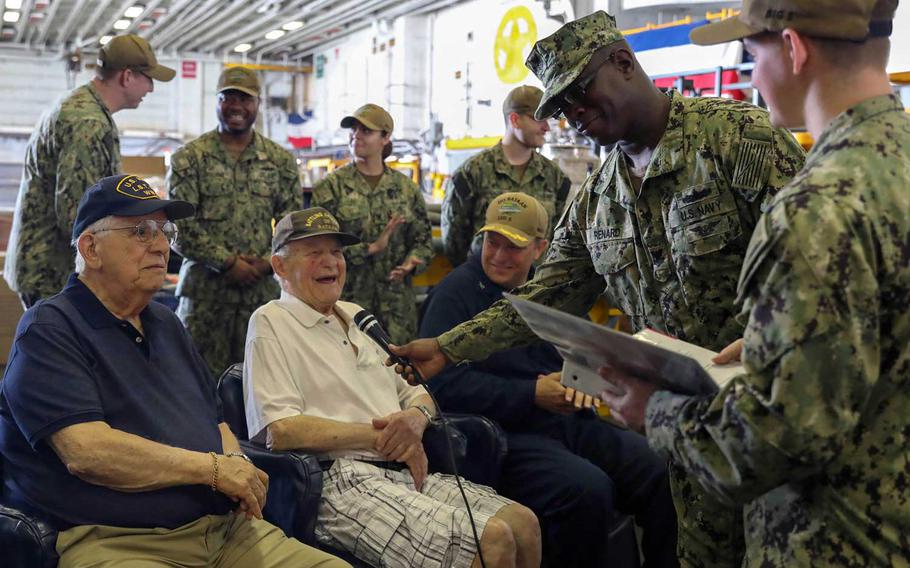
{"x":26,"y":541}
{"x":478,"y":446}
{"x":479,"y":461}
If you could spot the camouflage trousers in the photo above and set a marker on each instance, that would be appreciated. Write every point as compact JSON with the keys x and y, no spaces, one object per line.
{"x":710,"y":532}
{"x":218,"y":330}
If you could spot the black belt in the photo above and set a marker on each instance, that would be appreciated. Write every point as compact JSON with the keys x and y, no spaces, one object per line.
{"x":326,"y":465}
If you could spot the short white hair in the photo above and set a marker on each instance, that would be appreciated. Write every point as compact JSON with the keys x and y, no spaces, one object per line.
{"x":102,"y":223}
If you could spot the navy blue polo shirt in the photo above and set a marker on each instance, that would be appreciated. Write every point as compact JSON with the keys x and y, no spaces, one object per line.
{"x":73,"y":361}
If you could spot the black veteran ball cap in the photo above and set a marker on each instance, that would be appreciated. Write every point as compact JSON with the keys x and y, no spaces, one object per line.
{"x":310,"y":222}
{"x":125,"y":195}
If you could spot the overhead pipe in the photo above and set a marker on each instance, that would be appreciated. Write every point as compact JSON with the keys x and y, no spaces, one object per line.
{"x":48,"y":22}
{"x":254,"y":27}
{"x":349,"y":28}
{"x":292,"y":11}
{"x":172,"y":12}
{"x":414,"y":7}
{"x":23,"y":20}
{"x":149,"y":8}
{"x":90,"y":22}
{"x":87,"y":40}
{"x":70,"y":20}
{"x":204,"y":34}
{"x":305,"y":13}
{"x":191,"y":19}
{"x":188,"y":25}
{"x":336,"y":18}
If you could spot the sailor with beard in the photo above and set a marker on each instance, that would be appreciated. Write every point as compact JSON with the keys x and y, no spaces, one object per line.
{"x":661,"y":229}
{"x":239,"y":181}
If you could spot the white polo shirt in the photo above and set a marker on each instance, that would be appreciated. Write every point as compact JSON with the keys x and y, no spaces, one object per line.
{"x":298,"y":361}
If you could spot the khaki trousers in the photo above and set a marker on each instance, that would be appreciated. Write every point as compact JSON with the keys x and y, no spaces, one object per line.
{"x":226,"y":541}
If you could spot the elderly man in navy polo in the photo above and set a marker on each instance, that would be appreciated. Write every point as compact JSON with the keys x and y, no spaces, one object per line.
{"x":109,"y":421}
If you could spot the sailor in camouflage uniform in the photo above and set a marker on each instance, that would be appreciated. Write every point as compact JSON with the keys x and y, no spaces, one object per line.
{"x":814,"y":439}
{"x":239,"y":181}
{"x":513,"y":164}
{"x":661,"y":229}
{"x":74,"y":145}
{"x":386,"y":210}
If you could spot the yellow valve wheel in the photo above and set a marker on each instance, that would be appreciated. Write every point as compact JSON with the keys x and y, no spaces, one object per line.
{"x":516,"y":35}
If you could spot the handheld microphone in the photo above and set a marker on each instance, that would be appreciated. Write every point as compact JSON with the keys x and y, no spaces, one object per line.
{"x":368,"y":324}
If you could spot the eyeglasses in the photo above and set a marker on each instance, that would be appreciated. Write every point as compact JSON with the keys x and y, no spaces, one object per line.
{"x":147,"y":231}
{"x":574,"y":94}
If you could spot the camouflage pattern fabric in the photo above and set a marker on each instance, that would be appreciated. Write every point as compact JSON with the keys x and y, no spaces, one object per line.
{"x":481,"y":179}
{"x":364,"y":212}
{"x":74,"y":145}
{"x":669,"y":257}
{"x":558,"y":59}
{"x":815,"y":438}
{"x":236,"y":202}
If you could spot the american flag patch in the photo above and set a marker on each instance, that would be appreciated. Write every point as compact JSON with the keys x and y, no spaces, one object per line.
{"x":752,"y":165}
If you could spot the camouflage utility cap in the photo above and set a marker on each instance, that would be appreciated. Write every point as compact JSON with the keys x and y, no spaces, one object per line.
{"x":310,"y":222}
{"x":830,"y":19}
{"x":518,"y":217}
{"x":523,"y":100}
{"x":559,"y":59}
{"x":133,"y":52}
{"x":125,"y":195}
{"x":372,"y":116}
{"x":241,"y":79}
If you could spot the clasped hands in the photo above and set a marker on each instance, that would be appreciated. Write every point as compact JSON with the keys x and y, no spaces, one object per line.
{"x":400,"y":438}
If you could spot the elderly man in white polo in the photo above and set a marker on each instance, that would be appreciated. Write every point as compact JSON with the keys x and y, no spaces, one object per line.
{"x":313,"y":381}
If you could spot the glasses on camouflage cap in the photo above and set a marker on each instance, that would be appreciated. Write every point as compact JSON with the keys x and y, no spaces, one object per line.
{"x":147,"y":231}
{"x":575,"y":93}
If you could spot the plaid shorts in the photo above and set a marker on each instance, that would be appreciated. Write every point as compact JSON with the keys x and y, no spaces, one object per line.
{"x":378,"y":516}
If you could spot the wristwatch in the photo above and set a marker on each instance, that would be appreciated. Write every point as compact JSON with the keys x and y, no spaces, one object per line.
{"x":431,"y":418}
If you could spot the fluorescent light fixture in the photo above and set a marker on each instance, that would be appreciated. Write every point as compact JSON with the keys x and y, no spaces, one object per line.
{"x":243,"y":47}
{"x":105,"y":39}
{"x":291,"y":26}
{"x":274,"y":34}
{"x":133,"y":11}
{"x":11,"y":17}
{"x":122,"y":24}
{"x":13,"y":4}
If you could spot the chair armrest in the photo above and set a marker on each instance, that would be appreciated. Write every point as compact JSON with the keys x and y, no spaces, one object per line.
{"x":295,"y":488}
{"x":26,"y":541}
{"x":479,"y":446}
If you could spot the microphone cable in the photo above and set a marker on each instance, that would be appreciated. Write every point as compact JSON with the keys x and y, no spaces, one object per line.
{"x":370,"y":326}
{"x":445,"y":432}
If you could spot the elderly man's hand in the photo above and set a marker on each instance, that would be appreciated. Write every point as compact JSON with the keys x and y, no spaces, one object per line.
{"x":628,"y":399}
{"x":244,"y":483}
{"x":424,"y":354}
{"x":416,"y":460}
{"x":399,"y":432}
